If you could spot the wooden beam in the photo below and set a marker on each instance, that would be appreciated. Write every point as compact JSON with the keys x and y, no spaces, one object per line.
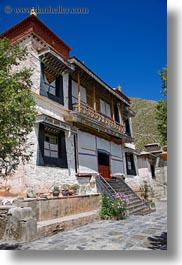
{"x":79,"y":95}
{"x":112,"y":108}
{"x":94,"y":99}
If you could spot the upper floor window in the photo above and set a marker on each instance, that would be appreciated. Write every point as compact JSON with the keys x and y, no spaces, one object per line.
{"x":83,"y":93}
{"x":51,"y":85}
{"x":127,"y":126}
{"x":105,"y":108}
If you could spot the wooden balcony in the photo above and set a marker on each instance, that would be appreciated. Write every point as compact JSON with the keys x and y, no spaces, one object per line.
{"x":86,"y":110}
{"x":84,"y":115}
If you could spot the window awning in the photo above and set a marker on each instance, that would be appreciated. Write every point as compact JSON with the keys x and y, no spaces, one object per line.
{"x":55,"y":123}
{"x":130,"y":150}
{"x":54,"y":64}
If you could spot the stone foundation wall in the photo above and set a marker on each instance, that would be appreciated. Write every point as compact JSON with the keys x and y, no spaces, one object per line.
{"x":46,"y":209}
{"x":17,"y":224}
{"x":160,"y":183}
{"x":3,"y":219}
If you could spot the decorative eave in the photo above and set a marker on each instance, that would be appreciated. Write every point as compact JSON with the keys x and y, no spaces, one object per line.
{"x":152,"y":144}
{"x":32,"y":24}
{"x":53,"y":62}
{"x":54,"y":123}
{"x":130,"y":150}
{"x":128,"y":112}
{"x":80,"y":66}
{"x":150,"y":153}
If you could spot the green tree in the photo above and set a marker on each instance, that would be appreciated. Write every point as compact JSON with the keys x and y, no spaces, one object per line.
{"x":161,"y":108}
{"x":17,"y":107}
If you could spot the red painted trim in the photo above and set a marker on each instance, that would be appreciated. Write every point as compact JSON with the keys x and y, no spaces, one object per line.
{"x":32,"y":24}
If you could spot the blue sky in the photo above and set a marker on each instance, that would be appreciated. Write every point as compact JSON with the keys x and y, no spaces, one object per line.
{"x":122,"y":41}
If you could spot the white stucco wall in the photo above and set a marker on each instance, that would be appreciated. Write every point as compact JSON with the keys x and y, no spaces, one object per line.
{"x":32,"y":60}
{"x":65,"y":88}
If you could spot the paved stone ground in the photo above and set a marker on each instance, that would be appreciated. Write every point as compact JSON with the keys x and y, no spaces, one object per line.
{"x":128,"y":234}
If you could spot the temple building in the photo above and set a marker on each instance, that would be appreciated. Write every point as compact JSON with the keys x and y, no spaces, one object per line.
{"x":83,"y":127}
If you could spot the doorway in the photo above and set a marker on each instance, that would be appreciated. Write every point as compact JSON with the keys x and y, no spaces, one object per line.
{"x":104,"y":165}
{"x":130,"y":164}
{"x":152,"y":167}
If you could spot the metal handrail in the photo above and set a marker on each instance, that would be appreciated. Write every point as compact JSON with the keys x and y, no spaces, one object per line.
{"x":104,"y":185}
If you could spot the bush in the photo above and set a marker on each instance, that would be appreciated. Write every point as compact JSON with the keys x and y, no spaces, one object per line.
{"x":146,"y":191}
{"x":114,"y":207}
{"x":65,"y":187}
{"x":152,"y":203}
{"x":56,"y":188}
{"x":74,"y":187}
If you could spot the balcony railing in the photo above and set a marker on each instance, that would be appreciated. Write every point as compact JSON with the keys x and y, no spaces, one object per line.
{"x":91,"y":113}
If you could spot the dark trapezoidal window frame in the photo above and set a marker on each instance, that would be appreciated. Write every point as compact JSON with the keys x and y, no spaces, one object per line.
{"x":51,"y":86}
{"x":48,"y":160}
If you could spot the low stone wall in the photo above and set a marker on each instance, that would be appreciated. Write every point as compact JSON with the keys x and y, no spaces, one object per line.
{"x":46,"y":209}
{"x":3,"y":219}
{"x":17,"y":224}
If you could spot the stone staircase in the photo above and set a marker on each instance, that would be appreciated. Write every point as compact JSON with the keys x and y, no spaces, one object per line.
{"x":136,"y":206}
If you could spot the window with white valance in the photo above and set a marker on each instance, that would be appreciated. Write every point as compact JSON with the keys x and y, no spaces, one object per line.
{"x":105,"y":108}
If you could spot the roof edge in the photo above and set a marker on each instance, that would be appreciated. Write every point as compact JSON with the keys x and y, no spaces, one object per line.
{"x":122,"y":97}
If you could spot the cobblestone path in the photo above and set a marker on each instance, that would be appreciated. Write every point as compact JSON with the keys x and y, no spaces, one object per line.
{"x":128,"y":234}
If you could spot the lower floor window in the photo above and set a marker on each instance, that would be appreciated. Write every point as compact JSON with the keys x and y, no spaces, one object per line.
{"x":52,"y":147}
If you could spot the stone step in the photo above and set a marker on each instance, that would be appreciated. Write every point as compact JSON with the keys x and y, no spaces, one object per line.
{"x":135,"y":200}
{"x":53,"y":226}
{"x":114,"y":181}
{"x":142,"y":211}
{"x":120,"y":190}
{"x":115,"y":185}
{"x":136,"y":205}
{"x":138,"y":209}
{"x":131,"y":196}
